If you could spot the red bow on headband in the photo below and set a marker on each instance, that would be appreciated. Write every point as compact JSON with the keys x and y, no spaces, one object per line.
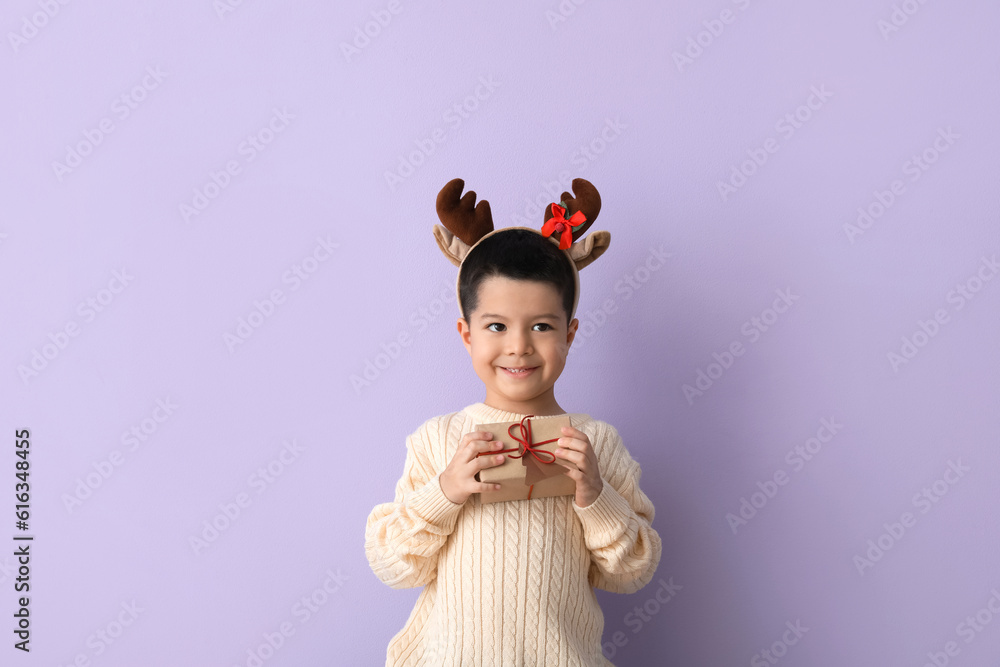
{"x":559,"y":224}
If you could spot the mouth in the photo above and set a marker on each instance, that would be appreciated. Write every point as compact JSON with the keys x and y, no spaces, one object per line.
{"x":518,"y":371}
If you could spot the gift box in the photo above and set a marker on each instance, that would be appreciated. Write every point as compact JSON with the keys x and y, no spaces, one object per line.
{"x":530,"y":468}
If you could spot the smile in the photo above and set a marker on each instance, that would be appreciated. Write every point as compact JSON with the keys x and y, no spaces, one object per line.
{"x":517,"y":372}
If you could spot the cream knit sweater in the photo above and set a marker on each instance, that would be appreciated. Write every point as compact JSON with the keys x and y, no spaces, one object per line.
{"x":508,"y":584}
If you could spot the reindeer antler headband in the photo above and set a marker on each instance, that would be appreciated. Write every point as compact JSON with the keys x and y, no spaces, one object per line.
{"x":466,"y":224}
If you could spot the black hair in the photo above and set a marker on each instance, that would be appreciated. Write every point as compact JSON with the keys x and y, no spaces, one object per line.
{"x":519,"y":254}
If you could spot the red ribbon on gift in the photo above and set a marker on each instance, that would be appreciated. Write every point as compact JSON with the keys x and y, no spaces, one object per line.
{"x":559,"y":224}
{"x":526,"y":446}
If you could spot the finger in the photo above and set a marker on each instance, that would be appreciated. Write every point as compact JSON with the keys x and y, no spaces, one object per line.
{"x":484,"y":447}
{"x":489,"y":461}
{"x":485,"y":443}
{"x":478,"y":441}
{"x":571,"y":443}
{"x":570,"y":455}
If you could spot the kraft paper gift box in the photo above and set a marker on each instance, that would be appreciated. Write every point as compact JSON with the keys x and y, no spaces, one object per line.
{"x":527,"y":472}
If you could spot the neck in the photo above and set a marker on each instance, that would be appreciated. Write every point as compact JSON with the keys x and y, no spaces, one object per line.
{"x":540,"y":406}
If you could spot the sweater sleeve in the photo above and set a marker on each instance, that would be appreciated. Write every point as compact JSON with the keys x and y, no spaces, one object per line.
{"x":624,"y":547}
{"x":403,"y":537}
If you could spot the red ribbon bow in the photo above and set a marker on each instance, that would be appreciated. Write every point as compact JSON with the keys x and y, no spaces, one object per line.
{"x":559,"y":224}
{"x":526,"y":446}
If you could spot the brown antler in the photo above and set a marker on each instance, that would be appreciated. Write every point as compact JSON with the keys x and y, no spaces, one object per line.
{"x":587,"y":200}
{"x":462,"y":217}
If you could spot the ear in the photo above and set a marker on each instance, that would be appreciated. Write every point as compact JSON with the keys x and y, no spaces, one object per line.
{"x":454,"y":248}
{"x":590,"y":248}
{"x":574,"y":327}
{"x":464,"y":333}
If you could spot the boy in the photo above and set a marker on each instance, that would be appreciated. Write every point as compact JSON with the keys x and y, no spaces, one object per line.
{"x":511,"y":583}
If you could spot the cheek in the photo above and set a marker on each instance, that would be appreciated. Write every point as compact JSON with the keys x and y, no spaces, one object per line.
{"x":484,"y":356}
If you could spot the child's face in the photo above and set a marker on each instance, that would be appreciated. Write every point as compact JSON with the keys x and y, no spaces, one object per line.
{"x":518,"y":324}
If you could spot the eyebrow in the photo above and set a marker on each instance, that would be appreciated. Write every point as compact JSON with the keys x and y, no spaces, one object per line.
{"x":546,"y":316}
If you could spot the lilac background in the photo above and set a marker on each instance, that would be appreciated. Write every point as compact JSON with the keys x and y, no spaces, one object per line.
{"x":661,"y":137}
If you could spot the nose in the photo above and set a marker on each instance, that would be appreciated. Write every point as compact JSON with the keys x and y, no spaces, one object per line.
{"x":519,"y":342}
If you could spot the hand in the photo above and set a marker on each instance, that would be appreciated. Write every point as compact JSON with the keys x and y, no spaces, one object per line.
{"x":575,"y":446}
{"x":458,"y":481}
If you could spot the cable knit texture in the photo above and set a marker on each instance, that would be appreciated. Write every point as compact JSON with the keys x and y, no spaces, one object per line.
{"x":508,"y":584}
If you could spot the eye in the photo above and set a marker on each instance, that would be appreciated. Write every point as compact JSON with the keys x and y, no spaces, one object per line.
{"x":494,"y":324}
{"x":543,"y":324}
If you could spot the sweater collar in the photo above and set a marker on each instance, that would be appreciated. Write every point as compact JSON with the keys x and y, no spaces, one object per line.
{"x":487,"y":414}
